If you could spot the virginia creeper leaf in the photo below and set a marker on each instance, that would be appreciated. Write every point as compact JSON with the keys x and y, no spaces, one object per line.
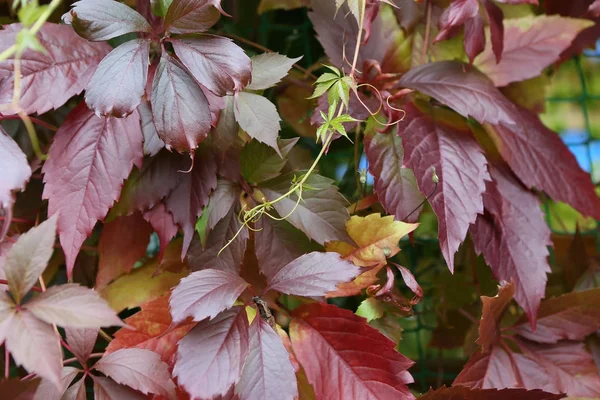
{"x":152,"y":143}
{"x":107,"y":389}
{"x":494,"y":369}
{"x":493,"y":310}
{"x":344,"y":358}
{"x":122,"y":243}
{"x":464,"y":393}
{"x":76,"y":391}
{"x":28,"y":258}
{"x":204,"y":294}
{"x":268,"y":69}
{"x":66,"y":66}
{"x":82,"y":342}
{"x":259,"y":162}
{"x":189,"y":16}
{"x":162,"y":223}
{"x":321,"y":214}
{"x":47,"y":390}
{"x":512,"y":237}
{"x":16,"y":170}
{"x":496,"y":20}
{"x":469,"y":93}
{"x":139,"y":369}
{"x":216,"y":62}
{"x":460,"y":165}
{"x":18,"y":389}
{"x":100,"y":20}
{"x":179,"y":107}
{"x":313,"y":274}
{"x":258,"y":117}
{"x":119,"y":83}
{"x":395,"y":185}
{"x":268,"y":372}
{"x":221,"y":202}
{"x":211,"y":356}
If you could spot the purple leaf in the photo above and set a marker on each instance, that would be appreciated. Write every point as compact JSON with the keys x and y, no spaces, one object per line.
{"x":47,"y":390}
{"x":152,"y":143}
{"x":460,"y":166}
{"x":162,"y":223}
{"x":204,"y":294}
{"x":107,"y":389}
{"x":73,"y":306}
{"x":474,"y":37}
{"x":117,"y":86}
{"x":512,"y":236}
{"x":100,"y":20}
{"x":221,"y":202}
{"x":457,"y":14}
{"x":496,"y":19}
{"x":313,"y":274}
{"x":268,"y":69}
{"x":179,"y":107}
{"x":28,"y":258}
{"x":15,"y":170}
{"x":226,"y":132}
{"x":395,"y":185}
{"x":321,"y":214}
{"x":82,"y":342}
{"x":469,"y":93}
{"x":191,"y":16}
{"x":66,"y":66}
{"x":215,"y":62}
{"x":268,"y":372}
{"x":258,"y":117}
{"x":84,"y":173}
{"x":139,"y":369}
{"x":211,"y":356}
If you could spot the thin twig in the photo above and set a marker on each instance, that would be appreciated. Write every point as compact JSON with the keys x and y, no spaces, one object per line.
{"x":105,"y":336}
{"x":427,"y":33}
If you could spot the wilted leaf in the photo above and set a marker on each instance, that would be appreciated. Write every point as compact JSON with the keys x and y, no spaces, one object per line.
{"x":321,"y":337}
{"x":491,"y":315}
{"x":268,"y":69}
{"x":370,"y":309}
{"x":84,"y":173}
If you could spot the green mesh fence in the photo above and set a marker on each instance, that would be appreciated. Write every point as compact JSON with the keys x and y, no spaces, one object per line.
{"x":572,"y":108}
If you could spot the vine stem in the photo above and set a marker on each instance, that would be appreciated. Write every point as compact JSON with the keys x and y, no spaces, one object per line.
{"x":359,"y":38}
{"x":6,"y":362}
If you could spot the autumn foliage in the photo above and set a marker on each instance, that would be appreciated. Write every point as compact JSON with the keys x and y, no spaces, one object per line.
{"x":172,"y":225}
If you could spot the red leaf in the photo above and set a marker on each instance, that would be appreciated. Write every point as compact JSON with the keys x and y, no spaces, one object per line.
{"x":410,"y":281}
{"x":463,"y":393}
{"x":456,"y":15}
{"x":492,"y":313}
{"x":107,"y":389}
{"x":179,"y":107}
{"x":139,"y":369}
{"x":230,"y":259}
{"x":190,"y":195}
{"x":494,"y":369}
{"x":66,"y":67}
{"x":122,"y":243}
{"x":28,"y":257}
{"x":17,"y":389}
{"x":344,"y":358}
{"x":151,"y":330}
{"x":84,"y":173}
{"x":532,"y":151}
{"x":119,"y":83}
{"x":215,"y":62}
{"x":204,"y":294}
{"x":190,"y":16}
{"x":530,"y":45}
{"x":469,"y":93}
{"x":395,"y":186}
{"x":496,"y":20}
{"x":460,"y":166}
{"x":474,"y":37}
{"x":572,"y":316}
{"x":221,"y":202}
{"x":162,"y":223}
{"x":313,"y":274}
{"x":47,"y":390}
{"x":100,"y":20}
{"x":211,"y":356}
{"x":73,"y":306}
{"x":268,"y":372}
{"x":321,"y":214}
{"x":513,"y":236}
{"x":81,"y":342}
{"x":15,"y":170}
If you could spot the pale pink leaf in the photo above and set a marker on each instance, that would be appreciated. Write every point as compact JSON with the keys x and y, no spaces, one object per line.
{"x":48,"y":390}
{"x":82,"y":342}
{"x":15,"y":170}
{"x":107,"y":389}
{"x":268,"y":69}
{"x":76,"y":392}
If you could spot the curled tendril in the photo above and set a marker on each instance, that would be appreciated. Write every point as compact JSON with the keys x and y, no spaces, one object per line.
{"x":387,"y":101}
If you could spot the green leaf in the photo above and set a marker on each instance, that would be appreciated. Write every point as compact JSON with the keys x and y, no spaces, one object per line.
{"x":27,"y":40}
{"x":327,"y":77}
{"x":30,"y":13}
{"x":370,"y":309}
{"x":160,"y":7}
{"x":260,"y":162}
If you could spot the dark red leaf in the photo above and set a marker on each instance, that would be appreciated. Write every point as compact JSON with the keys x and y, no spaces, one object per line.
{"x":572,"y":316}
{"x":464,"y":393}
{"x":494,"y":369}
{"x":81,"y":342}
{"x":460,"y":166}
{"x":204,"y":294}
{"x":532,"y":151}
{"x":119,"y":83}
{"x":179,"y":107}
{"x":211,"y":356}
{"x":216,"y":62}
{"x":474,"y":37}
{"x":456,"y":15}
{"x":18,"y":389}
{"x":268,"y":372}
{"x":313,"y":274}
{"x":84,"y":173}
{"x":221,"y":202}
{"x":496,"y":20}
{"x":107,"y":389}
{"x":162,"y":223}
{"x":66,"y":67}
{"x":100,"y":20}
{"x":15,"y":170}
{"x":395,"y":185}
{"x":513,"y":236}
{"x":469,"y":93}
{"x":122,"y":243}
{"x":190,"y":16}
{"x":491,"y":315}
{"x":344,"y":358}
